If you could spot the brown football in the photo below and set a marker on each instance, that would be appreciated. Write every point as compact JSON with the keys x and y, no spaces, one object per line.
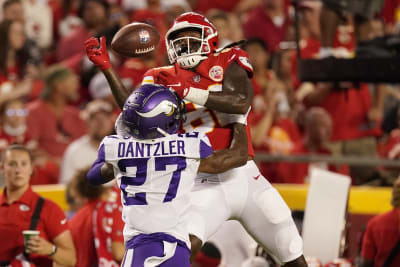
{"x":135,"y":40}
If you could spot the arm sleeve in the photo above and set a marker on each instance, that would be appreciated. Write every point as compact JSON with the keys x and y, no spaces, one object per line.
{"x":242,"y":58}
{"x":55,"y":221}
{"x":205,"y":147}
{"x":148,"y":77}
{"x":94,"y":174}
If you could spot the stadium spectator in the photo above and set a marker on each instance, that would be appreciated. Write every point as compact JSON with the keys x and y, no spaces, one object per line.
{"x":13,"y":125}
{"x":38,"y":22}
{"x":317,"y":133}
{"x":83,"y":151}
{"x":17,"y":205}
{"x":381,"y":238}
{"x":98,"y":220}
{"x":259,"y":59}
{"x":71,"y":48}
{"x":14,"y":10}
{"x":273,"y":131}
{"x":52,"y":122}
{"x":271,"y":16}
{"x":16,"y":75}
{"x":221,"y":21}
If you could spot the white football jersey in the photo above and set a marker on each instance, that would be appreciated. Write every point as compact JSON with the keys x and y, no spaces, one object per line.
{"x":156,"y":177}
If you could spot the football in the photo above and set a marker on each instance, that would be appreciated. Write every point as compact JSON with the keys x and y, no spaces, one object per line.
{"x":135,"y":40}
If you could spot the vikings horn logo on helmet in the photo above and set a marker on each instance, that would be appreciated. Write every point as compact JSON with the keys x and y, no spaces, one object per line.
{"x":165,"y":106}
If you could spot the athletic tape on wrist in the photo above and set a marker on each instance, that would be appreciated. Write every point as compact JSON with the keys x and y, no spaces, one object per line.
{"x":197,"y":96}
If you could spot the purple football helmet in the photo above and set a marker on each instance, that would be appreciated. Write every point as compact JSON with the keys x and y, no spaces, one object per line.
{"x":152,"y":111}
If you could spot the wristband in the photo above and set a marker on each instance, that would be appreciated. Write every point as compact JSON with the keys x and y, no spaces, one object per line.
{"x":54,"y":250}
{"x":197,"y":96}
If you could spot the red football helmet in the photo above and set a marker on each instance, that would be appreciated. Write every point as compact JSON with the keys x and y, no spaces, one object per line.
{"x":189,"y":50}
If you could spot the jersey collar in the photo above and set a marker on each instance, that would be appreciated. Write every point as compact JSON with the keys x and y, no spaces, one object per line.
{"x":26,"y":198}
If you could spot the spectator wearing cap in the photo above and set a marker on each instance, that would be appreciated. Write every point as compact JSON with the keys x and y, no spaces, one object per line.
{"x":52,"y":122}
{"x":83,"y":151}
{"x":382,"y":236}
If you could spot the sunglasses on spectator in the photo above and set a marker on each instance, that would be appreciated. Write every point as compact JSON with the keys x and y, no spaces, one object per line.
{"x":18,"y":112}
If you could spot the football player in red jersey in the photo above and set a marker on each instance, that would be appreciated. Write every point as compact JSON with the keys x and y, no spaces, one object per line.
{"x":214,"y":82}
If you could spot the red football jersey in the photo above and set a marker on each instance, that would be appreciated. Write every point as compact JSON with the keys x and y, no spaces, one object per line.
{"x":208,"y":76}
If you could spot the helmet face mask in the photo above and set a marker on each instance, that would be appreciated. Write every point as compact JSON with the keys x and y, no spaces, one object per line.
{"x":190,"y":40}
{"x":153,"y":111}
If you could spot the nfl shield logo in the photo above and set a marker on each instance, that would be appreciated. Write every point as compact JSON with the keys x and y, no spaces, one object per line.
{"x":144,"y":37}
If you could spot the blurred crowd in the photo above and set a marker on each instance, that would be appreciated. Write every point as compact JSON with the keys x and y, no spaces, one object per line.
{"x":54,"y":101}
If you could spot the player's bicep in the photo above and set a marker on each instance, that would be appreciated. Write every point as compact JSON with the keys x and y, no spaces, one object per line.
{"x":236,"y":80}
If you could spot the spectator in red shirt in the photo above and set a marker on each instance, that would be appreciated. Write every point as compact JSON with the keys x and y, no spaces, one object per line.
{"x":51,"y":121}
{"x":99,"y":219}
{"x":71,"y":48}
{"x":317,"y":133}
{"x":268,"y":22}
{"x":382,"y":235}
{"x":17,"y":204}
{"x":14,"y":130}
{"x":273,"y":131}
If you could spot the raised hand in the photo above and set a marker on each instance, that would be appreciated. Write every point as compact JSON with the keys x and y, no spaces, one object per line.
{"x":97,"y":52}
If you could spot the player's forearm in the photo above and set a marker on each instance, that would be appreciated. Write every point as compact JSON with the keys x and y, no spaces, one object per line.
{"x":119,"y":91}
{"x":228,"y":102}
{"x":100,"y":173}
{"x":226,"y":159}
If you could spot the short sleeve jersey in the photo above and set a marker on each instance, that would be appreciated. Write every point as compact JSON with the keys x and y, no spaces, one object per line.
{"x":155,"y":177}
{"x":209,"y":76}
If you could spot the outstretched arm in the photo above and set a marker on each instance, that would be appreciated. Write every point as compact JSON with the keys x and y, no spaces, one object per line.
{"x":226,"y":159}
{"x":97,"y":53}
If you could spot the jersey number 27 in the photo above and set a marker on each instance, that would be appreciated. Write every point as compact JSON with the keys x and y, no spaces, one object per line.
{"x":141,"y":175}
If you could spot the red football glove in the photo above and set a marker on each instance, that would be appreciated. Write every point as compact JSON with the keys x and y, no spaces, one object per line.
{"x":167,"y":79}
{"x":97,"y":52}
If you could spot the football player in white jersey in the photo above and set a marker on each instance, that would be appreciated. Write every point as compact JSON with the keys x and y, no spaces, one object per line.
{"x":155,"y":169}
{"x":214,"y":82}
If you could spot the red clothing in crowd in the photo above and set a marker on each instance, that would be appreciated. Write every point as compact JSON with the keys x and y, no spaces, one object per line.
{"x":81,"y":230}
{"x":271,"y":33}
{"x":298,"y":172}
{"x":16,"y":217}
{"x":107,"y":227}
{"x":390,"y":11}
{"x":282,"y":138}
{"x":348,"y":110}
{"x":132,"y":71}
{"x":54,"y":134}
{"x":382,"y":234}
{"x":71,"y":49}
{"x":100,"y":220}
